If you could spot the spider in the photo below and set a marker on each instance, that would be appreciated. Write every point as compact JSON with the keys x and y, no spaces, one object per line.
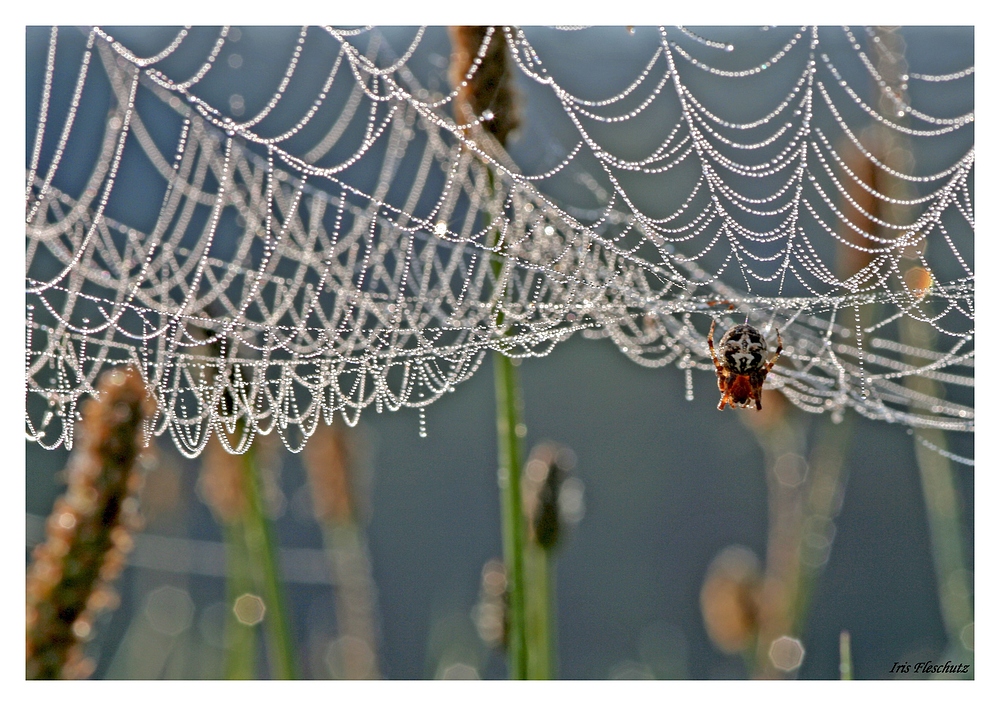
{"x":744,"y":365}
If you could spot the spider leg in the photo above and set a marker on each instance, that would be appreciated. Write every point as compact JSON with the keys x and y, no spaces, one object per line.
{"x":770,"y":364}
{"x":711,"y":348}
{"x":777,"y":353}
{"x":719,"y":370}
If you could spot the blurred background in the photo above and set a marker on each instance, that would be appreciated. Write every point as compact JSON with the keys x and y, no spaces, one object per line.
{"x":667,"y":485}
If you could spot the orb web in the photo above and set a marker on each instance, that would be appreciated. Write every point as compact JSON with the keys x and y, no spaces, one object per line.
{"x":331,"y":240}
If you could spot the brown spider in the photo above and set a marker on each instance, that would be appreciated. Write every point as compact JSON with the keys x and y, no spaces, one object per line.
{"x":744,"y":365}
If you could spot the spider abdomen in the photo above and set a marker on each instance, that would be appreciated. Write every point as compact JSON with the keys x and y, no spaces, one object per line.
{"x":744,"y":349}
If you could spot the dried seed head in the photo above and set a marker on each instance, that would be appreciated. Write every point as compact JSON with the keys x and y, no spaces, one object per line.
{"x":87,"y":532}
{"x":332,"y":458}
{"x":483,"y":80}
{"x":918,"y":281}
{"x":542,"y":485}
{"x":855,"y":251}
{"x":730,"y":599}
{"x":221,"y":482}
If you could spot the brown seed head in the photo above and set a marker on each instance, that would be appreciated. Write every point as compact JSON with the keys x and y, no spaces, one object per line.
{"x":221,"y":482}
{"x":489,"y":87}
{"x":730,"y":598}
{"x":548,"y":466}
{"x":88,"y":530}
{"x":330,"y":457}
{"x":918,"y":281}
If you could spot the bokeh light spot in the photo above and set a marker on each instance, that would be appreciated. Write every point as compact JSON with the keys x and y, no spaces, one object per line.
{"x":169,"y":610}
{"x":630,"y":670}
{"x":249,"y":609}
{"x":968,"y":637}
{"x":791,"y":470}
{"x":459,"y":670}
{"x":236,"y":104}
{"x":350,"y":657}
{"x":787,"y":653}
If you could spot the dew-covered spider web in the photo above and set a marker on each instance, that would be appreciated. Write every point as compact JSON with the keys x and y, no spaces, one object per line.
{"x":277,"y":226}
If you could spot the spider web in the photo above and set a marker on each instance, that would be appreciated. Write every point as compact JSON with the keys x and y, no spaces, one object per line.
{"x":348,"y":245}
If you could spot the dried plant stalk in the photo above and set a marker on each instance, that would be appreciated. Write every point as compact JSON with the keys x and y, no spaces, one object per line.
{"x":334,"y":461}
{"x":89,"y":530}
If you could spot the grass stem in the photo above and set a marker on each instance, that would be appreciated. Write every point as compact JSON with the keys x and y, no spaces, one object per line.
{"x":538,"y":599}
{"x":846,"y":671}
{"x":508,"y":397}
{"x":241,"y":644}
{"x":261,"y":546}
{"x":944,"y":512}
